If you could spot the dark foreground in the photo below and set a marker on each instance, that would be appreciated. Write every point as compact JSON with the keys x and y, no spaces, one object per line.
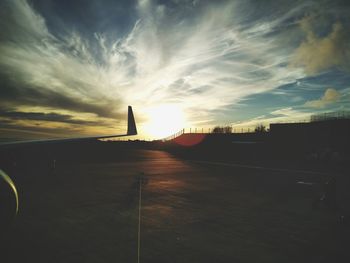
{"x":191,"y":212}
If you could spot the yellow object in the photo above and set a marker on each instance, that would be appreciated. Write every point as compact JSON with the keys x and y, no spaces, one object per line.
{"x":8,"y":180}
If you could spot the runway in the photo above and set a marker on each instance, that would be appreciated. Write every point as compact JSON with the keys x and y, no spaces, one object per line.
{"x":191,"y":212}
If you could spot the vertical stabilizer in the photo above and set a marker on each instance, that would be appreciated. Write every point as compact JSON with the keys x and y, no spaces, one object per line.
{"x":131,"y":122}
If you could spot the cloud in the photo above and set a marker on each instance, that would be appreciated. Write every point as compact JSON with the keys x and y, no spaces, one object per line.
{"x":39,"y":116}
{"x":14,"y":94}
{"x":10,"y":130}
{"x":203,"y":56}
{"x":330,"y":96}
{"x":316,"y":54}
{"x":282,"y":115}
{"x":210,"y":53}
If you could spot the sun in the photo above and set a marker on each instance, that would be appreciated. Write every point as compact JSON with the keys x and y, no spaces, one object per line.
{"x":164,"y":120}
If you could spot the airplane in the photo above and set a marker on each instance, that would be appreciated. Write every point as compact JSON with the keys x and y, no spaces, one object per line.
{"x":8,"y":191}
{"x":131,"y":131}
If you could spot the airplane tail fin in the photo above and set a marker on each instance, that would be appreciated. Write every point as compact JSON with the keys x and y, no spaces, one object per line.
{"x":131,"y":122}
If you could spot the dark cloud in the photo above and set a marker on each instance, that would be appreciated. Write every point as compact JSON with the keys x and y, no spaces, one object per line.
{"x":39,"y":116}
{"x":10,"y":130}
{"x":15,"y":94}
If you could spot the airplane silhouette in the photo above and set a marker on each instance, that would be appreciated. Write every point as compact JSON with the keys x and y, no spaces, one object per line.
{"x":8,"y":191}
{"x":132,"y":130}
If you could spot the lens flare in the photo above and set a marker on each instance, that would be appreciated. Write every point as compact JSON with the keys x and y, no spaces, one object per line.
{"x":190,"y":139}
{"x":8,"y":180}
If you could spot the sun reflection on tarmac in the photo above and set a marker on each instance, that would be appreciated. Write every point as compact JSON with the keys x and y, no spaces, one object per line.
{"x":168,"y":184}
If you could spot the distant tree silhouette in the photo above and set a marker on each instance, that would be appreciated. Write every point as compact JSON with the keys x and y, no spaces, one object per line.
{"x":223,"y":129}
{"x":217,"y":129}
{"x":227,"y":129}
{"x":260,"y":128}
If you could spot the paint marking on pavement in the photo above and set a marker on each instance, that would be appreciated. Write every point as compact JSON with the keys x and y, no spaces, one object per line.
{"x":260,"y":167}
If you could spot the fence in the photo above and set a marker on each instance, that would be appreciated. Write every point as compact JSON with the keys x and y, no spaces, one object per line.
{"x":330,"y":116}
{"x":241,"y":129}
{"x":173,"y":136}
{"x":206,"y":131}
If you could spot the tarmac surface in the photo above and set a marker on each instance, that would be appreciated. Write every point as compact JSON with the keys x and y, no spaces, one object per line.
{"x":190,"y":212}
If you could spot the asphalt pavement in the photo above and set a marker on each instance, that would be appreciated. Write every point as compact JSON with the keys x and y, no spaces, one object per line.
{"x":190,"y":212}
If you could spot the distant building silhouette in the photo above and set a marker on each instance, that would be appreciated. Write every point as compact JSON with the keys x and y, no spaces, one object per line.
{"x":330,"y":116}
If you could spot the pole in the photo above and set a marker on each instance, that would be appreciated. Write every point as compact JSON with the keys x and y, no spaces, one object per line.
{"x":139,"y":227}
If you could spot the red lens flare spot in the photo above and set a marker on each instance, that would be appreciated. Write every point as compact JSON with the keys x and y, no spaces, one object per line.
{"x":190,"y":139}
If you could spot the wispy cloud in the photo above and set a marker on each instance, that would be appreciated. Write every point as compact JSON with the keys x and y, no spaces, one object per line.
{"x":278,"y":116}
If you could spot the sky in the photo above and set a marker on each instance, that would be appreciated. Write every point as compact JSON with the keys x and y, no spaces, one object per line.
{"x":71,"y":68}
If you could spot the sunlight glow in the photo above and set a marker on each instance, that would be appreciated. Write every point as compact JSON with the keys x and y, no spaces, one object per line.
{"x":164,"y":120}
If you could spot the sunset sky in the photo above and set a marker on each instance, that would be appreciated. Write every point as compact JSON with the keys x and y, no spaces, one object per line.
{"x":71,"y":68}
